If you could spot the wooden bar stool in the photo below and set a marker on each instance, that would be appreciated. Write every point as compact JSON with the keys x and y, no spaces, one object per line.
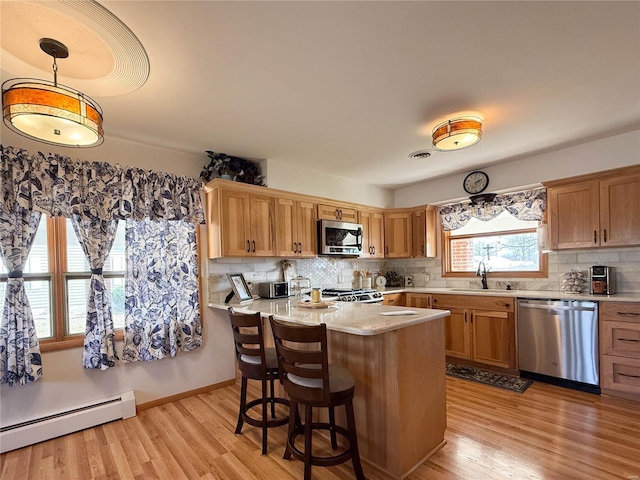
{"x":309,"y":380}
{"x":255,"y":362}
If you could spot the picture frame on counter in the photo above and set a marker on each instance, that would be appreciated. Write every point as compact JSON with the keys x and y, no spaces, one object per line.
{"x":239,"y":287}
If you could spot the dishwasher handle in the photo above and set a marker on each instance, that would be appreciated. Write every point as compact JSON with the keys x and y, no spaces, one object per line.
{"x":556,"y":307}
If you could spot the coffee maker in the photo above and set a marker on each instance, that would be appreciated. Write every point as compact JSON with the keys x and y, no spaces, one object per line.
{"x":603,"y":280}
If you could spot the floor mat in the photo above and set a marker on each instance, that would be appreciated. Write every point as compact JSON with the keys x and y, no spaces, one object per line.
{"x":479,"y":375}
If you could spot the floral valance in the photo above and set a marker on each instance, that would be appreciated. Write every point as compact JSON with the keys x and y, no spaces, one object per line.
{"x":58,"y":186}
{"x":527,"y":205}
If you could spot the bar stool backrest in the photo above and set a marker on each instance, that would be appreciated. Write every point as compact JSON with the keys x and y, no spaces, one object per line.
{"x":249,"y":343}
{"x":302,"y":355}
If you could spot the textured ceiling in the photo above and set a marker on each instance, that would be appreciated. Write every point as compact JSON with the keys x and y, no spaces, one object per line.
{"x":351,"y":88}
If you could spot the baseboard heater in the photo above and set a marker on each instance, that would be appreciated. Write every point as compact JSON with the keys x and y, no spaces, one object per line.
{"x":62,"y":423}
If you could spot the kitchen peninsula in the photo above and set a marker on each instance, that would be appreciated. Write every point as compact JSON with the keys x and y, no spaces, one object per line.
{"x":399,"y":365}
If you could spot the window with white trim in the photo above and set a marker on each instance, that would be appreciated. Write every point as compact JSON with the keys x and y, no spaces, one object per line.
{"x":505,"y":244}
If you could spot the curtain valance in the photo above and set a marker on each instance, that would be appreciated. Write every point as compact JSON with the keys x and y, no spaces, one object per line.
{"x":526,"y":205}
{"x":58,"y":186}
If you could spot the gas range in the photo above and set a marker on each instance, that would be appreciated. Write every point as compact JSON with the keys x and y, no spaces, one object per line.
{"x":351,"y":295}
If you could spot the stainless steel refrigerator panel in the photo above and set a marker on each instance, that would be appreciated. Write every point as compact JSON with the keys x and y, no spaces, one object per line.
{"x":559,"y":339}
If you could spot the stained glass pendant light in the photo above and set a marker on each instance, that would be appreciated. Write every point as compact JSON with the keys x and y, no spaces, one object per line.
{"x":457,"y":133}
{"x":51,"y":113}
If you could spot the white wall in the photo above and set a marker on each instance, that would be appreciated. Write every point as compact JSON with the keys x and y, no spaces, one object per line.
{"x":294,"y":179}
{"x":612,"y":152}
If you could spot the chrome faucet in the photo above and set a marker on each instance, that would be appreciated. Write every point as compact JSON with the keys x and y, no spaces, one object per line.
{"x":482,"y":272}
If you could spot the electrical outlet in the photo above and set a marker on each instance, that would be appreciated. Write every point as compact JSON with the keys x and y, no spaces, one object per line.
{"x":340,"y":279}
{"x":408,"y":281}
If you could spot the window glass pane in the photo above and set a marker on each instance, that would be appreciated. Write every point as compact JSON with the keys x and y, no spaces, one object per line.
{"x":38,"y":261}
{"x":77,"y":293}
{"x":514,"y":252}
{"x":502,"y":223}
{"x":76,"y":260}
{"x":39,"y":295}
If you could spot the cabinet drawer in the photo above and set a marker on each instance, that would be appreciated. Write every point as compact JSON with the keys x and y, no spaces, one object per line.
{"x":621,"y":339}
{"x":479,"y":302}
{"x":621,"y":374}
{"x":620,"y":311}
{"x":396,"y":299}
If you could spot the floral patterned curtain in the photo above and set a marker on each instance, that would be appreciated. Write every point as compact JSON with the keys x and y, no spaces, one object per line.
{"x":96,"y":239}
{"x":526,"y":205}
{"x":162,"y":304}
{"x":20,"y":360}
{"x":58,"y":186}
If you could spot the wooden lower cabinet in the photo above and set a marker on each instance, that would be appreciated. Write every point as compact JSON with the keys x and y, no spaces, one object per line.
{"x":418,"y":300}
{"x":480,"y":329}
{"x":620,"y":349}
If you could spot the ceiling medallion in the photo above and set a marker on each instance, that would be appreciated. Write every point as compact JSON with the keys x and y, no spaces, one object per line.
{"x":49,"y":112}
{"x":457,"y":133}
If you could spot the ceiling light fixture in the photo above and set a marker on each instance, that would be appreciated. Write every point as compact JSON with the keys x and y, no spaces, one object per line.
{"x":51,"y":113}
{"x":457,"y":133}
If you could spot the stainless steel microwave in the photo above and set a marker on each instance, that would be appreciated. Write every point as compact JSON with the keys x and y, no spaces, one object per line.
{"x":339,"y":238}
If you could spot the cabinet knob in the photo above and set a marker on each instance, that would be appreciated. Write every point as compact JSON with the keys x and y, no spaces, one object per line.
{"x":435,"y":300}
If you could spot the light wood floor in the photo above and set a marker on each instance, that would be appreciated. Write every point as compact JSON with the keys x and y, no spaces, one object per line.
{"x":546,"y":433}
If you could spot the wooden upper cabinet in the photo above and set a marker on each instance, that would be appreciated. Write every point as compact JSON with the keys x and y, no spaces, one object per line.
{"x":597,"y":210}
{"x":424,"y":242}
{"x":397,"y":234}
{"x":240,"y":224}
{"x":295,"y":228}
{"x":620,"y":210}
{"x":372,"y":233}
{"x":573,"y":215}
{"x":337,"y":212}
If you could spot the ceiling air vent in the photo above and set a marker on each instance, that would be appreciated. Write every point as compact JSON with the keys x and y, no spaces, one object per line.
{"x":420,"y":154}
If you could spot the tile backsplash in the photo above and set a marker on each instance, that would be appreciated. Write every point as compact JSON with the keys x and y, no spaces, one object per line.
{"x":341,"y":272}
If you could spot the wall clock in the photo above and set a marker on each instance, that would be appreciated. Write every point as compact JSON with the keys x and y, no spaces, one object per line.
{"x":475,"y":182}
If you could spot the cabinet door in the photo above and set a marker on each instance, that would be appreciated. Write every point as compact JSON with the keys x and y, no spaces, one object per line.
{"x":337,"y":212}
{"x":372,"y":234}
{"x":620,"y":211}
{"x":573,"y":215}
{"x":235,"y":224}
{"x":286,"y":235}
{"x":494,"y":339}
{"x":307,"y":229}
{"x":419,"y":300}
{"x":376,"y":235}
{"x":424,"y":232}
{"x":397,"y":235}
{"x":262,"y":221}
{"x":456,"y":329}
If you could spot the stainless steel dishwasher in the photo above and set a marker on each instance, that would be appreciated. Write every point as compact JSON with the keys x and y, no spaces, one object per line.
{"x":558,"y":342}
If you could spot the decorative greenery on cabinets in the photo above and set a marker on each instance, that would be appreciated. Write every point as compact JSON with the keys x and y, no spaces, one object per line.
{"x":237,"y":169}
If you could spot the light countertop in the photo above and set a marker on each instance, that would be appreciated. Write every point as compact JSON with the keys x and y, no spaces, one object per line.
{"x":355,"y":318}
{"x":544,"y":294}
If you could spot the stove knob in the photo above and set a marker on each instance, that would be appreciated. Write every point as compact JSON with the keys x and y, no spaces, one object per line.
{"x":352,"y":298}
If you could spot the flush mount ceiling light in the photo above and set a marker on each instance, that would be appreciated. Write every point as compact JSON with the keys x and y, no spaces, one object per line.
{"x":51,"y":113}
{"x":457,"y":133}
